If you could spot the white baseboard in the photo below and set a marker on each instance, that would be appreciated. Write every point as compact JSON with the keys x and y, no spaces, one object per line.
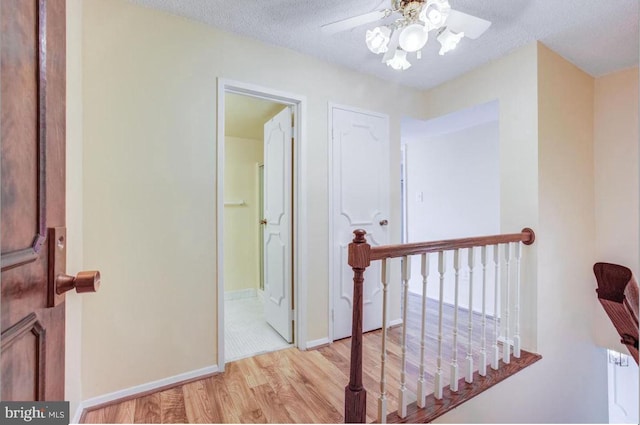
{"x":139,"y":389}
{"x":395,"y":322}
{"x":78,"y":414}
{"x":240,"y":294}
{"x":317,"y":343}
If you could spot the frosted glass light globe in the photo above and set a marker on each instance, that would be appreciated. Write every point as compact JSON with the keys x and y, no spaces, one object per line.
{"x":399,"y":61}
{"x":377,"y":39}
{"x":435,"y":13}
{"x":449,"y":40}
{"x":413,"y":37}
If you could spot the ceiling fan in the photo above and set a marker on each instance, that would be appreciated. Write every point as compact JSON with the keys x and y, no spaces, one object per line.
{"x":409,"y":32}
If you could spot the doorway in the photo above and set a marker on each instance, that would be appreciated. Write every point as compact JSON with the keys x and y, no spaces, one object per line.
{"x":622,"y":376}
{"x":258,"y":267}
{"x":450,"y":188}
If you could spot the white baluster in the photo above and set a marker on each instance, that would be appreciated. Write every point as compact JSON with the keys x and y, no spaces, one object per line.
{"x":506,"y":348}
{"x":382,"y":400}
{"x":470,"y":263}
{"x":482,"y":367}
{"x":403,"y":394}
{"x":422,"y":384}
{"x":516,"y":335}
{"x":454,"y":360}
{"x":495,"y":358}
{"x":438,"y":384}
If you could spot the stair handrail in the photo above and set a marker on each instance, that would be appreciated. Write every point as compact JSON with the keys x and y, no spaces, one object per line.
{"x":527,"y":236}
{"x":360,"y":255}
{"x":618,"y":294}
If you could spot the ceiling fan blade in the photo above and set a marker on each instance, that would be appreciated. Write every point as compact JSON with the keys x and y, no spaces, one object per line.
{"x":356,"y":21}
{"x":392,"y":47}
{"x":472,"y":26}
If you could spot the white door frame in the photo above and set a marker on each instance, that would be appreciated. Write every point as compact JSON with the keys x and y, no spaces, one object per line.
{"x":298,"y":104}
{"x":405,"y":203}
{"x":330,"y":108}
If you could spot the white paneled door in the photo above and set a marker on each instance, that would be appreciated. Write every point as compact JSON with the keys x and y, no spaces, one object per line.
{"x":360,"y":200}
{"x":278,"y":227}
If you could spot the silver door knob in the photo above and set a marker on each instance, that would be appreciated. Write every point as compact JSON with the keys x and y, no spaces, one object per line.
{"x":384,"y":222}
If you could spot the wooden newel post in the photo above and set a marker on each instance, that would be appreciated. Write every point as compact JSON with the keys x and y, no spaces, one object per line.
{"x":355,"y":396}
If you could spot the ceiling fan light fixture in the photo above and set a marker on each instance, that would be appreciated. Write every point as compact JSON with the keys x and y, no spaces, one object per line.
{"x":408,"y":31}
{"x":435,"y":13}
{"x":413,"y":37}
{"x":399,"y":61}
{"x":377,"y":39}
{"x":449,"y":40}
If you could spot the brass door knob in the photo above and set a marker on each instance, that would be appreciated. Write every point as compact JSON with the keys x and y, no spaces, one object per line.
{"x":263,"y":221}
{"x":88,"y":281}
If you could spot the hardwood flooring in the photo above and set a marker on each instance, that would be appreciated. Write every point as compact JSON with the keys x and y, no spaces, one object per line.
{"x":292,"y":386}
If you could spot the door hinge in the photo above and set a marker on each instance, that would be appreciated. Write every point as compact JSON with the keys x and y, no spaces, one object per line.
{"x":292,"y":314}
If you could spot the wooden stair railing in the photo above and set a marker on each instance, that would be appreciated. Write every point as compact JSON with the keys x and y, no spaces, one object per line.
{"x":361,"y":254}
{"x":618,"y":294}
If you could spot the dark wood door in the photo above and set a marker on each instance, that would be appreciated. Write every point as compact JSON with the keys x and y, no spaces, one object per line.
{"x":32,"y":103}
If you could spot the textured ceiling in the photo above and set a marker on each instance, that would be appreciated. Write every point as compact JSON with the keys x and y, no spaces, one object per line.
{"x":599,"y":36}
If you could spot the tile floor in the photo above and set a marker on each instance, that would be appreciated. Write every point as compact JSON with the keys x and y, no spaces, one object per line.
{"x":246,"y":331}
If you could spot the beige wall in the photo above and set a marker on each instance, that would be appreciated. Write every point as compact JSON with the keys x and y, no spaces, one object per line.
{"x":569,"y":383}
{"x":149,"y":182}
{"x":567,"y":238}
{"x":616,"y":182}
{"x":73,"y":354}
{"x":241,"y":228}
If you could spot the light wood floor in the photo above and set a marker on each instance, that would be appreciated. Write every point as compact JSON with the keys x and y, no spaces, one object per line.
{"x":292,"y":386}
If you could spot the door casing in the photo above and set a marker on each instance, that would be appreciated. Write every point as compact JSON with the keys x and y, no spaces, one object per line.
{"x":298,"y":104}
{"x":260,"y":202}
